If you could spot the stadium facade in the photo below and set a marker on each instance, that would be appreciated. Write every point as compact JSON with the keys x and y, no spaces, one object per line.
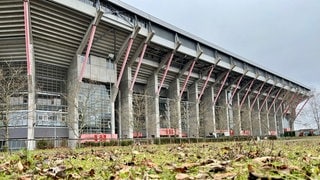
{"x":106,"y":68}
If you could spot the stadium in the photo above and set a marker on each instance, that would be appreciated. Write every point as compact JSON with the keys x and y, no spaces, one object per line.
{"x":82,"y":69}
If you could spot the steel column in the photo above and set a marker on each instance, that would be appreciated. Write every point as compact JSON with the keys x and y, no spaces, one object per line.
{"x":124,"y":62}
{"x":205,"y":83}
{"x":84,"y":63}
{"x":187,"y":79}
{"x":274,"y":100}
{"x":138,"y":66}
{"x":224,"y":81}
{"x":288,"y":107}
{"x":266,"y":98}
{"x":165,"y":72}
{"x":237,"y":86}
{"x":307,"y":100}
{"x":27,"y":35}
{"x":255,"y":99}
{"x":281,"y":102}
{"x":245,"y":96}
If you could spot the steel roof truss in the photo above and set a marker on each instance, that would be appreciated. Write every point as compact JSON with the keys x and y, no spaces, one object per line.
{"x":257,"y":95}
{"x":306,"y":101}
{"x":185,"y":68}
{"x":140,"y":48}
{"x":209,"y":71}
{"x":281,"y":102}
{"x":289,"y":104}
{"x":188,"y":76}
{"x":144,"y":47}
{"x":266,"y":98}
{"x":134,"y":33}
{"x":84,"y":63}
{"x":94,"y":22}
{"x":275,"y":98}
{"x":247,"y":92}
{"x":168,"y":55}
{"x":223,"y":83}
{"x":237,"y":86}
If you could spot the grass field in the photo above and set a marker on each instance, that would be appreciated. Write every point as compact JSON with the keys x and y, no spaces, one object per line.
{"x":267,"y":159}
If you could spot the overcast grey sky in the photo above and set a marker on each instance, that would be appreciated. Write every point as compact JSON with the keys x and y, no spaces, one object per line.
{"x":280,"y":35}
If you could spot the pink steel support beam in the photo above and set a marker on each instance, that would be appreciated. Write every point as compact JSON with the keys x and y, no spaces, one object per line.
{"x":245,"y":96}
{"x":84,"y":63}
{"x":281,"y":102}
{"x":187,"y":79}
{"x":237,"y":86}
{"x":224,"y":81}
{"x":274,"y":100}
{"x":124,"y":62}
{"x":266,"y":98}
{"x":138,"y":66}
{"x":257,"y":95}
{"x":290,"y":102}
{"x":165,"y":73}
{"x":27,"y":34}
{"x":206,"y":82}
{"x":302,"y":108}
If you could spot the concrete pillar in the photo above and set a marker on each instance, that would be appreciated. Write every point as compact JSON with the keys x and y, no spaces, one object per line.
{"x":279,"y":119}
{"x":194,"y":111}
{"x":207,"y":111}
{"x":73,"y":91}
{"x":31,"y":76}
{"x":273,"y":119}
{"x":152,"y":107}
{"x":291,"y":117}
{"x":245,"y":116}
{"x":175,"y":106}
{"x":222,"y":115}
{"x":230,"y":113}
{"x":31,"y":102}
{"x":113,"y":119}
{"x":255,"y":122}
{"x":127,"y":119}
{"x":236,"y":115}
{"x":265,"y":121}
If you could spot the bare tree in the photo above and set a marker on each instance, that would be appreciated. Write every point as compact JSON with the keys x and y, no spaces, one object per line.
{"x":139,"y":113}
{"x":175,"y":116}
{"x":13,"y":81}
{"x":312,"y":111}
{"x":91,"y":105}
{"x":315,"y":108}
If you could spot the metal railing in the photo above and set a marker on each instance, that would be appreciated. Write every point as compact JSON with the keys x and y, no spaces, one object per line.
{"x":49,"y":143}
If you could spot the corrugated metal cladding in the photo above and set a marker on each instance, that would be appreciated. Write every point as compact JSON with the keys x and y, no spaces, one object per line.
{"x":12,"y":46}
{"x":57,"y":32}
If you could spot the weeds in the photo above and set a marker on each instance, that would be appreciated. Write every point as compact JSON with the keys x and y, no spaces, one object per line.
{"x":267,"y":159}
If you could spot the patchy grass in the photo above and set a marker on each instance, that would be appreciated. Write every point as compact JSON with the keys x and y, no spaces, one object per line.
{"x":278,"y":159}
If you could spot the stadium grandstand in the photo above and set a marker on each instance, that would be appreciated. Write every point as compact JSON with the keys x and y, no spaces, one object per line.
{"x":104,"y":69}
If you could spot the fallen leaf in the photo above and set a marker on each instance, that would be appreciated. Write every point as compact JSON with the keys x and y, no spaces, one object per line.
{"x":135,"y":152}
{"x":215,"y":168}
{"x":19,"y":166}
{"x":202,"y":176}
{"x":180,"y":169}
{"x":92,"y":172}
{"x":182,"y":176}
{"x":227,"y":175}
{"x":261,"y":160}
{"x":74,"y":176}
{"x":153,"y":176}
{"x":26,"y":177}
